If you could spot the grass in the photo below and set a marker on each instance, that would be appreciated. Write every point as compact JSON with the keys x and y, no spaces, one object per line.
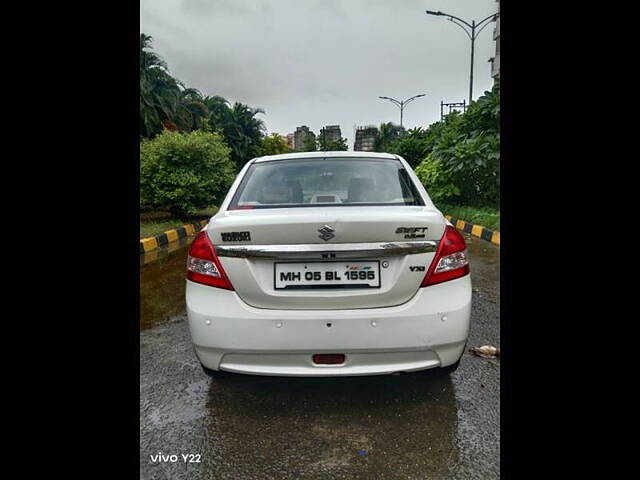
{"x":487,"y":217}
{"x":154,"y":222}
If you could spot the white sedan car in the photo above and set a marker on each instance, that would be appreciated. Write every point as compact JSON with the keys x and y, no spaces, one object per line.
{"x":328,"y":264}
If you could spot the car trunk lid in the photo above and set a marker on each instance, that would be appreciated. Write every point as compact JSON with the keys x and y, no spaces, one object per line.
{"x":398,"y":242}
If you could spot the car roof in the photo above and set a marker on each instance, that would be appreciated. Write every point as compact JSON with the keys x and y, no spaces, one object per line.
{"x":338,"y":154}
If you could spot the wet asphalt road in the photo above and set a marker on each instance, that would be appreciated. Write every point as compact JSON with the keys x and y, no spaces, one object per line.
{"x":416,"y":426}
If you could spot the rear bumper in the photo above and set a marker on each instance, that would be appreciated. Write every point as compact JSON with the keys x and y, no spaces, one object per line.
{"x":430,"y":330}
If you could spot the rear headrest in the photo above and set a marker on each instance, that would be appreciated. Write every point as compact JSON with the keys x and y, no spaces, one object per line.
{"x":360,"y":189}
{"x":275,"y":194}
{"x":296,"y":190}
{"x":286,"y":192}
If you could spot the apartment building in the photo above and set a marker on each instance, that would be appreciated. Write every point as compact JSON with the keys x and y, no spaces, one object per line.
{"x":365,"y":138}
{"x":495,"y":61}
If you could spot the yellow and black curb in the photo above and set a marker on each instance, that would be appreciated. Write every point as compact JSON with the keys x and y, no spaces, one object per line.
{"x":153,"y":243}
{"x":476,"y":230}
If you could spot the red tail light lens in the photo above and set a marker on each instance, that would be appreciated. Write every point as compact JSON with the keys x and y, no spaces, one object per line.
{"x":450,"y":260}
{"x":203,"y":265}
{"x":329,"y":358}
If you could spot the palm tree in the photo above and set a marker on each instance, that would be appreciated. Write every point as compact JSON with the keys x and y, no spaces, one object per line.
{"x":218,"y":108}
{"x":388,"y":133}
{"x":160,"y":93}
{"x":164,"y":101}
{"x":193,"y":110}
{"x":242,"y":131}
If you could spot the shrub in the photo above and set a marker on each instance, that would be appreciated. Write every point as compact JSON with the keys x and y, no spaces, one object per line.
{"x":437,"y":180}
{"x":463,"y":151}
{"x":412,"y":146}
{"x":470,"y":148}
{"x":183,"y":173}
{"x":274,"y":144}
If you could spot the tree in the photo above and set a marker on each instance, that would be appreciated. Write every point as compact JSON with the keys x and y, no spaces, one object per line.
{"x":274,"y":144}
{"x":167,"y":104}
{"x":464,"y":151}
{"x":388,"y":133}
{"x":159,"y":92}
{"x":308,"y":144}
{"x":326,"y":145}
{"x":337,"y":145}
{"x":193,"y":103}
{"x":164,"y":101}
{"x":242,"y":131}
{"x":412,"y":146}
{"x":183,"y":172}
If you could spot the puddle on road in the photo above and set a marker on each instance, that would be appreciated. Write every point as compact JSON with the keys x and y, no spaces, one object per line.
{"x":484,"y":261}
{"x":162,"y":283}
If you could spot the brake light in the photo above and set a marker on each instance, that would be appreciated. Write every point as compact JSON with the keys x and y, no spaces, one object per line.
{"x":329,"y":358}
{"x":450,"y":260}
{"x":203,"y":265}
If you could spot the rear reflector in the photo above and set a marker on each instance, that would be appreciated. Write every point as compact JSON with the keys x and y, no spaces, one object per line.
{"x":328,"y":358}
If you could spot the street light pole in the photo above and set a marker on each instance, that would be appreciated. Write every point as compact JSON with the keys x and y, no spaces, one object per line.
{"x":402,"y":103}
{"x":471,"y":33}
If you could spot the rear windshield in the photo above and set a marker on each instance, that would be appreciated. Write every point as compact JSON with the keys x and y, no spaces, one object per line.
{"x":329,"y":182}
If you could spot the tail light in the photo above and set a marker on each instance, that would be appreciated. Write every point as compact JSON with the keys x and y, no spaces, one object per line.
{"x":203,"y":265}
{"x":450,"y":261}
{"x":329,"y":358}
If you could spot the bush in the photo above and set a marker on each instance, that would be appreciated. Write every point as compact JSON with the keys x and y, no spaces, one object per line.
{"x":274,"y":144}
{"x":463,"y":151}
{"x":412,"y":146}
{"x":437,"y":180}
{"x":183,"y":173}
{"x":470,"y":148}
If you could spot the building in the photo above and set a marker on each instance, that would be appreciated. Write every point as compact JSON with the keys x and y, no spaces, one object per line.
{"x":331,"y":133}
{"x":301,"y":135}
{"x":495,"y":61}
{"x":365,"y":138}
{"x":290,"y":140}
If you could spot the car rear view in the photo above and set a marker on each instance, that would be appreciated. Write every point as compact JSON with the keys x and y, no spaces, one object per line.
{"x":327,"y":264}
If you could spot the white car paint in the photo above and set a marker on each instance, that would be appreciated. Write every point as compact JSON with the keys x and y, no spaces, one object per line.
{"x":258,"y":329}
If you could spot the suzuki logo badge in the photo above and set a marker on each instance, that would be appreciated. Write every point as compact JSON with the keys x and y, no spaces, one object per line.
{"x":326,"y":233}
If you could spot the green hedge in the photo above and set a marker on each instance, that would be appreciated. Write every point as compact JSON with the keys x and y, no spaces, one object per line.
{"x":461,"y":154}
{"x":487,"y":217}
{"x":184,"y":172}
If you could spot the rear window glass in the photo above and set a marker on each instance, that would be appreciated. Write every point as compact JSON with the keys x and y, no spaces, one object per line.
{"x":318,"y":181}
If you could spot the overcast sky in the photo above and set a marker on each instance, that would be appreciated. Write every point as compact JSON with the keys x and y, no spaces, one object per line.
{"x":323,"y":62}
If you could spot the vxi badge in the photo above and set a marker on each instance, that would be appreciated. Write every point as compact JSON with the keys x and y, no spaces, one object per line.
{"x":412,"y":232}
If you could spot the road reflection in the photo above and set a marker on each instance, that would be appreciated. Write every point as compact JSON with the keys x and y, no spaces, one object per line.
{"x":162,"y":283}
{"x":359,"y":427}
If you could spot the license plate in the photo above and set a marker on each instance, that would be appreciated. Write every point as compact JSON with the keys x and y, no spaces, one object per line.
{"x":292,"y":275}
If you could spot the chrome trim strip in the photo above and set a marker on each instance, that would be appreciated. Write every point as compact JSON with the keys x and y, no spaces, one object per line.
{"x":333,"y":250}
